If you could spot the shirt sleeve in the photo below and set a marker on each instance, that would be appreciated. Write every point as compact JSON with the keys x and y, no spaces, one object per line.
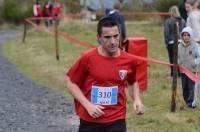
{"x":78,"y":72}
{"x":132,"y":76}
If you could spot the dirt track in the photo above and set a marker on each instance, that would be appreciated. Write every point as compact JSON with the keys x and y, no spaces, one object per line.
{"x":27,"y":107}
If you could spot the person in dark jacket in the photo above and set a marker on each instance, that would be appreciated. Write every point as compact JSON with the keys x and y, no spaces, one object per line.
{"x":182,"y":10}
{"x":115,"y":13}
{"x":169,"y":28}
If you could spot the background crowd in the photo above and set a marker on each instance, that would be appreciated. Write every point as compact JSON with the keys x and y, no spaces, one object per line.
{"x":187,"y":21}
{"x":49,"y":9}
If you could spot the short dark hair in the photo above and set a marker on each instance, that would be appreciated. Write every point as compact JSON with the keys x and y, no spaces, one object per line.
{"x":106,"y":21}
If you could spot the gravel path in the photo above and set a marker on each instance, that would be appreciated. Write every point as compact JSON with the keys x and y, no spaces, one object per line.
{"x":27,"y":107}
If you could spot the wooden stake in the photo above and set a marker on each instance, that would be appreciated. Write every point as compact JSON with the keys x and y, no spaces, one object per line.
{"x":56,"y":39}
{"x":24,"y":34}
{"x":175,"y":69}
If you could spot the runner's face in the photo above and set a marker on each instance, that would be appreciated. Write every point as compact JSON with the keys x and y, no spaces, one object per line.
{"x":109,"y":39}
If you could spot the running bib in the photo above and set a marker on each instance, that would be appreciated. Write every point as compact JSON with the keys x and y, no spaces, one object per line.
{"x":104,"y":95}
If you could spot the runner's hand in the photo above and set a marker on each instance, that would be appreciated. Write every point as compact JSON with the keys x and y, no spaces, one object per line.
{"x":95,"y":111}
{"x":139,"y":108}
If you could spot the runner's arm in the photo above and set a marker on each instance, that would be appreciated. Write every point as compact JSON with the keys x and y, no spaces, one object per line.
{"x":93,"y":110}
{"x":135,"y":96}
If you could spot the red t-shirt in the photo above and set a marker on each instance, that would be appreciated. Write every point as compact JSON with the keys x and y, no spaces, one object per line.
{"x":93,"y":69}
{"x":47,"y":9}
{"x":39,"y":11}
{"x":56,"y":9}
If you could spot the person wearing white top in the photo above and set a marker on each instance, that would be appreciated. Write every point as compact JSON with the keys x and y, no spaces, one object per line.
{"x":193,"y":21}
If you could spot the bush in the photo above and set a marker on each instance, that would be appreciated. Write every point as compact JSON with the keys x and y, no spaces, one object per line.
{"x":133,"y":6}
{"x":12,"y":11}
{"x":73,"y":6}
{"x":164,"y":5}
{"x":138,"y":6}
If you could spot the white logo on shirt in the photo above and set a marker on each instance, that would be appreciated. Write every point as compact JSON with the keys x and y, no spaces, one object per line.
{"x":122,"y":74}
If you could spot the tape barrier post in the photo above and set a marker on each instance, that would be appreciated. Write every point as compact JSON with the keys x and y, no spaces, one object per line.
{"x":175,"y":69}
{"x":25,"y":30}
{"x":138,"y":46}
{"x":56,"y":39}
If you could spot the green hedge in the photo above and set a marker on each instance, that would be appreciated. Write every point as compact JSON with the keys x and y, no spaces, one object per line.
{"x":164,"y":5}
{"x":16,"y":10}
{"x":136,"y":6}
{"x":73,"y":6}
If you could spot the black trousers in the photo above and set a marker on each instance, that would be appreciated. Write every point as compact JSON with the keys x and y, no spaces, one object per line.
{"x":170,"y":49}
{"x":116,"y":126}
{"x":188,"y":90}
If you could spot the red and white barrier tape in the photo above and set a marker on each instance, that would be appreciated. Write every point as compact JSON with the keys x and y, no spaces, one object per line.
{"x":75,"y":41}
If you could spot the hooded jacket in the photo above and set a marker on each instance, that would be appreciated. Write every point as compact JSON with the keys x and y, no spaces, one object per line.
{"x":188,"y":54}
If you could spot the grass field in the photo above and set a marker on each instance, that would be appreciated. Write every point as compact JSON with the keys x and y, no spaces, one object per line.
{"x":36,"y":59}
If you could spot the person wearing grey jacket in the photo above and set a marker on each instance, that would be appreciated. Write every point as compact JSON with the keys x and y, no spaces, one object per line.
{"x":116,"y":14}
{"x":188,"y":57}
{"x":169,"y":29}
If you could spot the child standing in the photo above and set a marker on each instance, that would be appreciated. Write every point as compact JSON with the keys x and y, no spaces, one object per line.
{"x":189,"y":57}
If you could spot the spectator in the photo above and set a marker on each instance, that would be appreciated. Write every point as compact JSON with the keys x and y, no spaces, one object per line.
{"x":189,"y":57}
{"x":193,"y":21}
{"x":47,"y":11}
{"x":37,"y":11}
{"x":182,"y":10}
{"x":169,"y":28}
{"x":56,"y":10}
{"x":115,"y":13}
{"x":188,"y":7}
{"x":107,"y":11}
